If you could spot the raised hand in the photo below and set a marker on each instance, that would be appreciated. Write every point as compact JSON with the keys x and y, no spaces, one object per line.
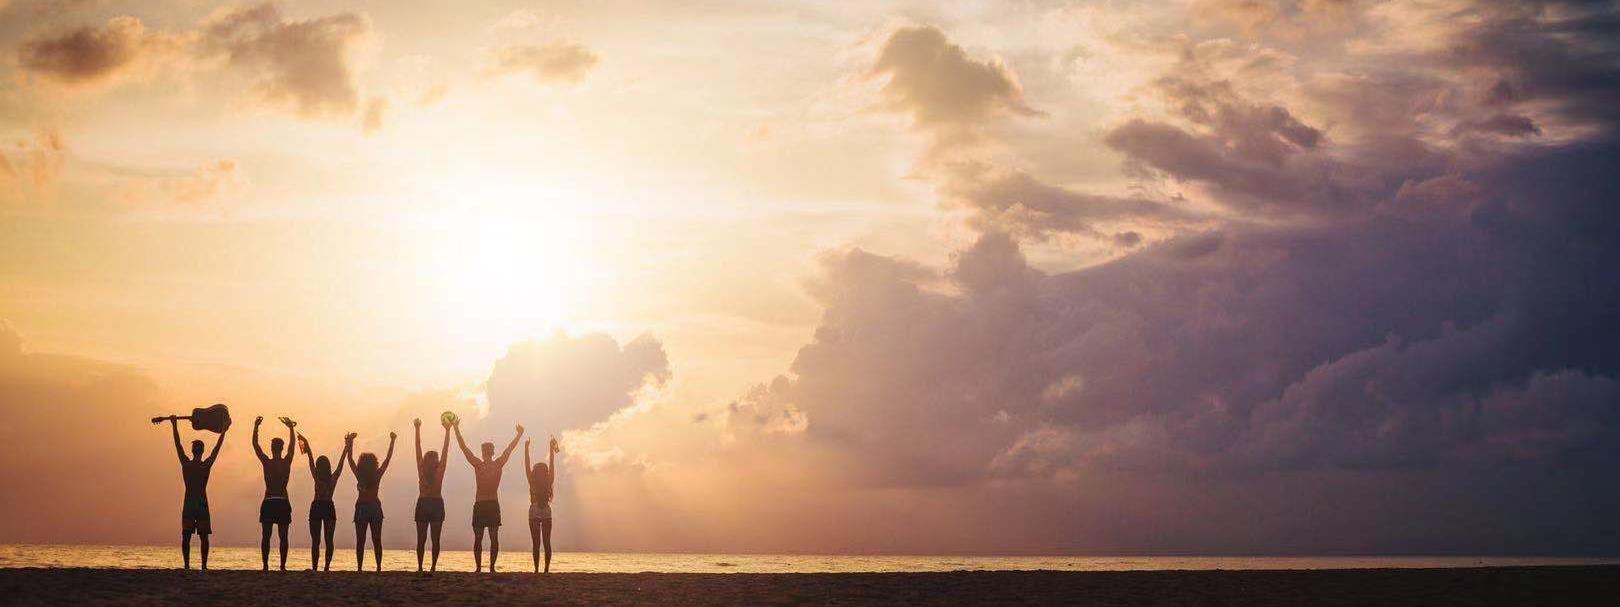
{"x":349,"y":438}
{"x":417,"y":423}
{"x":555,"y":448}
{"x":520,"y":429}
{"x":392,"y":436}
{"x":258,"y":421}
{"x":288,"y":420}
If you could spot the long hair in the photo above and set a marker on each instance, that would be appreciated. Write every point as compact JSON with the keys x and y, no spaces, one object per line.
{"x":323,"y":470}
{"x":540,"y":481}
{"x":430,"y":463}
{"x":365,"y":469}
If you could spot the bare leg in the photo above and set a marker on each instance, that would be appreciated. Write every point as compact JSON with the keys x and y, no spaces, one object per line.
{"x":281,"y":531}
{"x":494,"y":546}
{"x":545,"y":533}
{"x":185,"y":547}
{"x":359,"y":546}
{"x":330,"y":528}
{"x":264,"y":546}
{"x":376,"y":542}
{"x":203,"y":537}
{"x":435,"y":527}
{"x":534,"y":542}
{"x":314,"y":545}
{"x":478,"y":548}
{"x":421,"y":543}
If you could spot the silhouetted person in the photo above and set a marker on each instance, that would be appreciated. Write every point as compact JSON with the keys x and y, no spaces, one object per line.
{"x":275,"y":510}
{"x":487,"y":504}
{"x":542,"y":484}
{"x":368,"y":512}
{"x":430,"y":469}
{"x":322,"y":512}
{"x":194,"y":516}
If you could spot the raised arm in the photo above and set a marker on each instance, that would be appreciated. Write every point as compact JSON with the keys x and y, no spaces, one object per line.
{"x":462,"y":442}
{"x":258,"y":421}
{"x":512,"y":445}
{"x":348,"y":447}
{"x":444,"y":453}
{"x":303,"y":444}
{"x":291,"y":436}
{"x":179,"y":451}
{"x":418,"y":424}
{"x":390,"y":456}
{"x":220,"y":442}
{"x":348,"y":451}
{"x":526,"y":464}
{"x":551,"y":464}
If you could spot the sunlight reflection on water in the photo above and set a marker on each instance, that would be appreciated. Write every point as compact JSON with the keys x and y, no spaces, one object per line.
{"x":150,"y":557}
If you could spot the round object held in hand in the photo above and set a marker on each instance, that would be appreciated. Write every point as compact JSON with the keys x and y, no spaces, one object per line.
{"x":448,"y":417}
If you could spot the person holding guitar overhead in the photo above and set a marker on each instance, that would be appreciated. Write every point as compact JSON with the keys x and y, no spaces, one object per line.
{"x":194,"y":517}
{"x":275,"y":510}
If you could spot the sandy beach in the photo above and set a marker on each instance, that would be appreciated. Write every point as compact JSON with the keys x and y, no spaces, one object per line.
{"x":1484,"y":586}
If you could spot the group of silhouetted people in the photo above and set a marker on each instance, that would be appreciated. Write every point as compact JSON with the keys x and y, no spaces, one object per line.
{"x":275,"y":512}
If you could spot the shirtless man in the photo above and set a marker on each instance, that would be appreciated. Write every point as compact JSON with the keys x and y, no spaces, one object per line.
{"x":195,"y":469}
{"x":487,"y":507}
{"x":275,"y":510}
{"x":430,"y":504}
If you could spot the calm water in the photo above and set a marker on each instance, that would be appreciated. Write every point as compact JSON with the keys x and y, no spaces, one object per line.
{"x":146,"y":557}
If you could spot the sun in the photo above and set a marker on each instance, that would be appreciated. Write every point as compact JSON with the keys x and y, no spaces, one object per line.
{"x":503,"y":272}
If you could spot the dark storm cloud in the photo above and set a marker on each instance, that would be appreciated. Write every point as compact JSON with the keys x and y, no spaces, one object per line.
{"x":1435,"y":335}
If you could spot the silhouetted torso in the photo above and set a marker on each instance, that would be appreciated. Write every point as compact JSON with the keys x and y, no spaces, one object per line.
{"x":430,"y":481}
{"x":195,"y":472}
{"x":540,"y":490}
{"x":367,"y":485}
{"x":324,"y":490}
{"x":488,"y":476}
{"x":276,"y":473}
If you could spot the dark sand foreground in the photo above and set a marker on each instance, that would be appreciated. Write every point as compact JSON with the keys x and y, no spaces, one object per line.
{"x":1595,"y":585}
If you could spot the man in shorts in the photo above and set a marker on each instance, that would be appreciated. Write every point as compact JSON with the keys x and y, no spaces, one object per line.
{"x":194,"y":517}
{"x":487,"y":507}
{"x":275,"y":510}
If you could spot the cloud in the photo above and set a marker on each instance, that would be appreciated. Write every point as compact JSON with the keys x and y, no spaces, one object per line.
{"x":88,"y":55}
{"x":371,"y":119}
{"x":304,"y":64}
{"x":551,"y":63}
{"x":1016,"y":202}
{"x":570,"y":383}
{"x":30,"y":167}
{"x":939,"y":85}
{"x":75,"y":427}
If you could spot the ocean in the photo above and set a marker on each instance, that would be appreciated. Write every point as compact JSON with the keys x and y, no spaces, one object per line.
{"x":518,"y":559}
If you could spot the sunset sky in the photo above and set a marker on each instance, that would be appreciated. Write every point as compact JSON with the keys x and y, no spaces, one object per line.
{"x":1207,"y":276}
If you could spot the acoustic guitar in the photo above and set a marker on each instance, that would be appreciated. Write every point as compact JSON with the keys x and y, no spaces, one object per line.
{"x":215,"y":418}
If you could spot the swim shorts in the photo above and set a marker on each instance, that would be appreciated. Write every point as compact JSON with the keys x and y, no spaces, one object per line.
{"x":486,"y":513}
{"x":275,"y":510}
{"x":368,"y":512}
{"x":429,"y":509}
{"x":322,"y":510}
